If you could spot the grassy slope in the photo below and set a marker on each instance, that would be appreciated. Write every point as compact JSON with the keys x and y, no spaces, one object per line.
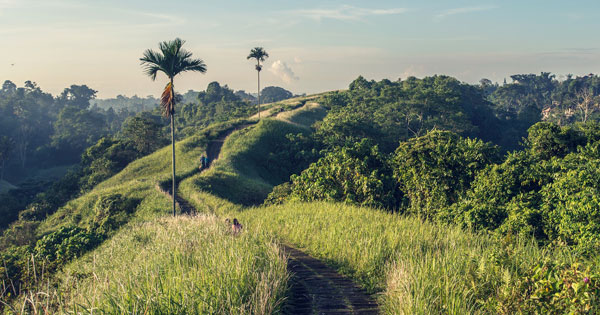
{"x":415,"y":267}
{"x":136,"y":181}
{"x":246,"y":172}
{"x":257,"y":281}
{"x":419,"y":267}
{"x":177,"y":266}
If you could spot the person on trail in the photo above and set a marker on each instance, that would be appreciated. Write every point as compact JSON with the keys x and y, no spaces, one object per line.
{"x":207,"y":162}
{"x":202,"y":162}
{"x":236,"y":227}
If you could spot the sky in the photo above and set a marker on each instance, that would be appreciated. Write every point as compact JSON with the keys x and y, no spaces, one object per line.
{"x":314,"y":46}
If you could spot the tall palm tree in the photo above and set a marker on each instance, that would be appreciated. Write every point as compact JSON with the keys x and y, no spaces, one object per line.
{"x":170,"y":60}
{"x":259,"y":54}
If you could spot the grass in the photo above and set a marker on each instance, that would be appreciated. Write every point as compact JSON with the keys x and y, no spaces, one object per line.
{"x":306,"y":115}
{"x":183,"y":265}
{"x":247,"y":169}
{"x":137,"y":182}
{"x":415,"y":267}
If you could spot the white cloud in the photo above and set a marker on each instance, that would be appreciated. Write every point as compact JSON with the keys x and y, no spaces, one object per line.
{"x":345,"y":12}
{"x":464,"y":10}
{"x":297,"y":60}
{"x":283,"y":71}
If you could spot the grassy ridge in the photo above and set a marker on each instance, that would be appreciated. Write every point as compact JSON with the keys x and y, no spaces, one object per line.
{"x":137,"y":182}
{"x":419,"y":267}
{"x":247,"y":168}
{"x":175,"y":266}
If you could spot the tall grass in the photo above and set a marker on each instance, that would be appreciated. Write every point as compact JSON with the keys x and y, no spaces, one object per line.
{"x":184,"y":265}
{"x":416,"y":267}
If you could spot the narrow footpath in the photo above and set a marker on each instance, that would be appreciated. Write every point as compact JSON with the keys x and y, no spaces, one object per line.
{"x":315,"y":288}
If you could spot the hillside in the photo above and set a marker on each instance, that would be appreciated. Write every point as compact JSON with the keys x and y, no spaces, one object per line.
{"x":129,"y":201}
{"x":396,"y":221}
{"x":6,"y":186}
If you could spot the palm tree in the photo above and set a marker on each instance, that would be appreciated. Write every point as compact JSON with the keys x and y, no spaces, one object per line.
{"x":171,"y":60}
{"x":259,"y":54}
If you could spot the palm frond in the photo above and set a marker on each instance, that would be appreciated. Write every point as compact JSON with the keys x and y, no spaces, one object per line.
{"x":167,"y":101}
{"x":192,"y":65}
{"x":258,"y":53}
{"x":152,"y":62}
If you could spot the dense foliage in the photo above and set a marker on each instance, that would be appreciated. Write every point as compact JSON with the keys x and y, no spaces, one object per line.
{"x":216,"y":104}
{"x":355,"y":174}
{"x":272,"y":94}
{"x":431,"y":147}
{"x":548,"y":190}
{"x":389,"y":112}
{"x":434,"y":169}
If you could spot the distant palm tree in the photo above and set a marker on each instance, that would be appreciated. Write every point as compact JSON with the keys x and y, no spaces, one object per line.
{"x":259,"y":54}
{"x":171,"y":60}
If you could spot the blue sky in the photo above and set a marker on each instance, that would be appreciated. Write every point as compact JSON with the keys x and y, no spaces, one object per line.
{"x":314,"y":46}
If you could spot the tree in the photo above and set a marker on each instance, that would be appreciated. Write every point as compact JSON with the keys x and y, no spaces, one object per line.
{"x":144,"y":133}
{"x":171,"y":60}
{"x":433,"y":170}
{"x":357,"y":174}
{"x":259,"y":54}
{"x":586,"y":103}
{"x":8,"y":87}
{"x":6,"y":146}
{"x":272,"y":94}
{"x":78,"y":96}
{"x":75,"y":129}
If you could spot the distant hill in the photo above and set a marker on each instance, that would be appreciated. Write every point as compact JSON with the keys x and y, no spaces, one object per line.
{"x":6,"y":186}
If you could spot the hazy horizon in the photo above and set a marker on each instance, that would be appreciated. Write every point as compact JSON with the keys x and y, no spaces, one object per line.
{"x":314,"y":46}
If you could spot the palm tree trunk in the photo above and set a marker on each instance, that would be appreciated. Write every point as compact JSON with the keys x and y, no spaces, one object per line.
{"x":258,"y":93}
{"x":173,"y":148}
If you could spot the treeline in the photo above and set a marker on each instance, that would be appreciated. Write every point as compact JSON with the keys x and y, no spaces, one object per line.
{"x":531,"y":97}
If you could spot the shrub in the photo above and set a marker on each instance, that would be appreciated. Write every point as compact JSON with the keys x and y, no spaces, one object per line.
{"x":64,"y":244}
{"x":279,"y":194}
{"x":549,"y":288}
{"x":433,"y":170}
{"x":356,"y":174}
{"x":111,"y":211}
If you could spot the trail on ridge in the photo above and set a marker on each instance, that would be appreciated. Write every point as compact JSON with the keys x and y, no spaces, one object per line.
{"x":315,"y":288}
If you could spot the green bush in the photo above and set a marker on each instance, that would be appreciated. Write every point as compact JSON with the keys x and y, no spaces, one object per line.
{"x":433,"y":170}
{"x":356,"y":174}
{"x":572,"y":203}
{"x":111,"y":211}
{"x":64,"y":244}
{"x":279,"y":194}
{"x":550,"y":288}
{"x":549,"y":190}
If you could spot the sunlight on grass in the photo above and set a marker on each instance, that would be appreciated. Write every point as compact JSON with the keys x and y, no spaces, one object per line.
{"x":246,"y":170}
{"x":416,"y":267}
{"x":184,"y":265}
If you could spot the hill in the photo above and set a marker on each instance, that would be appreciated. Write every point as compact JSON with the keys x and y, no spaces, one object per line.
{"x":428,"y":253}
{"x":6,"y":186}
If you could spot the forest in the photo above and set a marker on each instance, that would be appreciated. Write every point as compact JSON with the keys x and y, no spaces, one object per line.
{"x":513,"y":168}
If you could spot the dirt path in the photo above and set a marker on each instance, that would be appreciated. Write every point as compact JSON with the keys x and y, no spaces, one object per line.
{"x":318,"y":289}
{"x":315,"y":288}
{"x":213,"y":149}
